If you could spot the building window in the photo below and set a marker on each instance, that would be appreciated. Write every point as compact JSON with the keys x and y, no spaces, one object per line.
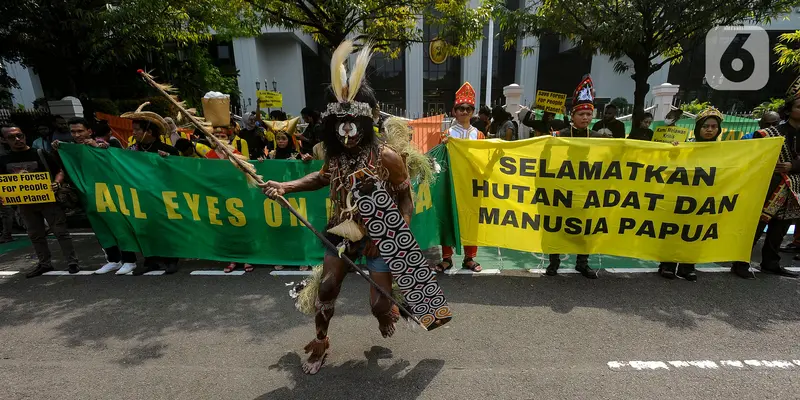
{"x":388,"y":80}
{"x":439,"y":81}
{"x":224,"y":52}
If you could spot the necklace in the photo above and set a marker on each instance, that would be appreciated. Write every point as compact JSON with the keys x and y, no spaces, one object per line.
{"x":571,"y":134}
{"x":148,"y":147}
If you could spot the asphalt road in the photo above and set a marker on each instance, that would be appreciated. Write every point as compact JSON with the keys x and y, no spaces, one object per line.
{"x":514,"y":336}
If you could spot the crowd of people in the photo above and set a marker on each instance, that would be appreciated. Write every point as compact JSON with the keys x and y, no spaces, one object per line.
{"x":278,"y":138}
{"x":250,"y":135}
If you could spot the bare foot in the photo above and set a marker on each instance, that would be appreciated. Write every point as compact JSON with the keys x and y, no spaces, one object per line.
{"x":319,"y":351}
{"x":386,"y":322}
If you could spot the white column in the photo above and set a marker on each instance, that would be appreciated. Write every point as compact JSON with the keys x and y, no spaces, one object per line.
{"x":414,"y":59}
{"x":662,"y":99}
{"x":489,"y":61}
{"x":527,"y":67}
{"x":471,"y":65}
{"x":513,"y":95}
{"x":245,"y":54}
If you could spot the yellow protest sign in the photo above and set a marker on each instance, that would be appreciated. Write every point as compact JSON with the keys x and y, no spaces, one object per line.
{"x":27,"y":188}
{"x":669,"y":134}
{"x":269,"y":99}
{"x":694,"y":203}
{"x":550,"y":101}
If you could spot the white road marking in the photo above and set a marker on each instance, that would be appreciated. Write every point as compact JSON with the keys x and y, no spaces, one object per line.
{"x":8,"y":273}
{"x":50,"y":235}
{"x":215,"y":272}
{"x":732,"y":363}
{"x":290,"y":273}
{"x":630,"y":270}
{"x":465,"y":271}
{"x":66,"y":273}
{"x":703,"y":365}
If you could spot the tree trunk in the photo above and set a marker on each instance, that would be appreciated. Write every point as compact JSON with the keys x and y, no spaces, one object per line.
{"x":641,"y":68}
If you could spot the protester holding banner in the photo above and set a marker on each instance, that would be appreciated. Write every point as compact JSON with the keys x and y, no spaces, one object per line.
{"x":253,"y":135}
{"x":463,"y":108}
{"x":192,"y":150}
{"x":643,"y":131}
{"x":483,"y":120}
{"x":116,"y":260}
{"x":147,"y":130}
{"x":102,"y":134}
{"x":582,"y":112}
{"x":672,"y":117}
{"x":782,"y":206}
{"x":313,"y":132}
{"x":503,"y":124}
{"x":610,"y":126}
{"x":707,"y":128}
{"x":546,"y":126}
{"x":23,"y":159}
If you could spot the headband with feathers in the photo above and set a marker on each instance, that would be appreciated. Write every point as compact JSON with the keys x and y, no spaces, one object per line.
{"x":346,"y":90}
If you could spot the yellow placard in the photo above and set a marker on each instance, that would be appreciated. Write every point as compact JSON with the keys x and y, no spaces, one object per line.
{"x":669,"y":134}
{"x":269,"y":99}
{"x":26,"y":188}
{"x":550,"y":101}
{"x":695,"y":202}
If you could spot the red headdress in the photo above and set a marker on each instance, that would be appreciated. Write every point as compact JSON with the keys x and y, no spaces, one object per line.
{"x":583,"y":99}
{"x":465,"y":95}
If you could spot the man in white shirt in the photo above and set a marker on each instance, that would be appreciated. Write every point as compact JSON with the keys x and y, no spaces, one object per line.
{"x":463,"y":110}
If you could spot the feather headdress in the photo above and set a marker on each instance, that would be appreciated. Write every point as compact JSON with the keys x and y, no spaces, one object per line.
{"x":346,"y":89}
{"x":238,"y":160}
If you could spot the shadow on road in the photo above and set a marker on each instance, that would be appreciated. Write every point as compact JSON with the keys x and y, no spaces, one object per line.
{"x":357,"y":379}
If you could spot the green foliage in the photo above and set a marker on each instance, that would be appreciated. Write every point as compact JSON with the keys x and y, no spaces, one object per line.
{"x":642,"y":35}
{"x":195,"y":75}
{"x":389,"y":24}
{"x":620,"y":102}
{"x":788,"y":52}
{"x":5,"y":98}
{"x":106,"y":106}
{"x":771,"y":105}
{"x":68,"y":42}
{"x":694,"y":107}
{"x":158,"y":105}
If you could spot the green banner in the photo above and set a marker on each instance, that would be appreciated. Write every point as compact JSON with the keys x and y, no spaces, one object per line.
{"x":195,"y":208}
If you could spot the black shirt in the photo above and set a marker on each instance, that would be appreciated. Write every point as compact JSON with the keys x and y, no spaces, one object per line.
{"x":155,"y":147}
{"x":114,"y":142}
{"x":16,"y":162}
{"x":571,"y":131}
{"x":616,"y":127}
{"x":641,"y":134}
{"x":255,"y":142}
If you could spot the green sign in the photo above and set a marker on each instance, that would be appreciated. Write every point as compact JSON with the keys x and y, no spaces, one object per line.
{"x":196,"y":208}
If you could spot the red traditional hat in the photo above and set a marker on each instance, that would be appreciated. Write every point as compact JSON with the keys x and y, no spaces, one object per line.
{"x":583,"y":99}
{"x":465,"y":95}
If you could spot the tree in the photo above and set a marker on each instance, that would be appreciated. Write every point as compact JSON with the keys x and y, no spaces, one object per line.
{"x":649,"y":33}
{"x":787,"y":51}
{"x":772,"y":105}
{"x":69,"y":43}
{"x":389,"y":24}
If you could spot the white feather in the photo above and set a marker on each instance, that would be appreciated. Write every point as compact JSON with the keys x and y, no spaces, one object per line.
{"x":339,"y":71}
{"x":359,"y":71}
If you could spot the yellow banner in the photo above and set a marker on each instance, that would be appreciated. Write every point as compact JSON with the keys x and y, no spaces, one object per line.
{"x":695,"y":202}
{"x":26,"y":188}
{"x":550,"y":101}
{"x":669,"y":134}
{"x":269,"y":99}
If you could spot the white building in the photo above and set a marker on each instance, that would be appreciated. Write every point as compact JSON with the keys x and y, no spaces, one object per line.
{"x":414,"y":85}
